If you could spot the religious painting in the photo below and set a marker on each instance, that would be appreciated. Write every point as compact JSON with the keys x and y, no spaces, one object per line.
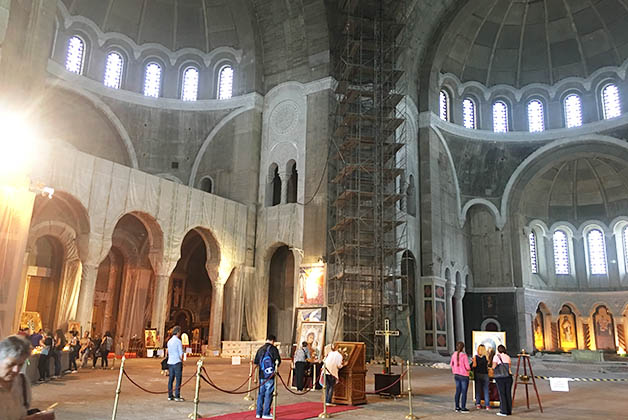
{"x":604,"y":329}
{"x":490,"y":339}
{"x":31,"y":320}
{"x":441,"y":340}
{"x":429,"y":319}
{"x":427,"y":290}
{"x":538,"y":329}
{"x":346,"y":349}
{"x":313,"y":333}
{"x":312,"y":285}
{"x":150,"y":339}
{"x":440,"y":292}
{"x":489,"y":305}
{"x":177,"y":294}
{"x":308,"y":315}
{"x":74,"y":326}
{"x":567,"y":329}
{"x":429,"y":340}
{"x":440,"y":315}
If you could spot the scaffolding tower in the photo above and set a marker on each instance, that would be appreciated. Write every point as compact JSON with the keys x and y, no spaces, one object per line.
{"x":367,"y":178}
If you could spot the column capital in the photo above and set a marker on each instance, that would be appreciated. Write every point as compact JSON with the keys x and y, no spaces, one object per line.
{"x":460,"y":290}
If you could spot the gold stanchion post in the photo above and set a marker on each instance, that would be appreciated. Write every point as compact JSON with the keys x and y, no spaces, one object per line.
{"x":253,"y":405}
{"x":199,"y":366}
{"x":410,"y":415}
{"x":275,"y":390}
{"x":115,"y":402}
{"x":248,"y":397}
{"x":324,"y":414}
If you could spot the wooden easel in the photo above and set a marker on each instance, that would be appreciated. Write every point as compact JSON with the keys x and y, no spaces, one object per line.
{"x":525,"y":379}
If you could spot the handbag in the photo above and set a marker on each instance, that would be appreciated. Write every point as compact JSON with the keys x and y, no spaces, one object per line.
{"x":502,"y":370}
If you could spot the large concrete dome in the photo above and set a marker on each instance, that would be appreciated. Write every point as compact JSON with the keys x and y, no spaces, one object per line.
{"x":519,"y":42}
{"x":176,"y":24}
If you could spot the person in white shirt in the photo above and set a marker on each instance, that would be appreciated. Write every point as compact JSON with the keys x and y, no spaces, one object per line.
{"x":332,"y":364}
{"x":175,"y":364}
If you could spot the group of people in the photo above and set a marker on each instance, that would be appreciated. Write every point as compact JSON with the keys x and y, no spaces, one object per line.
{"x":484,"y":365}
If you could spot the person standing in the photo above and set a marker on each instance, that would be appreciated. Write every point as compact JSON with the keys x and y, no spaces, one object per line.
{"x":331,"y":365}
{"x":265,"y":359}
{"x":503,"y":377}
{"x":105,"y":347}
{"x":84,"y":351}
{"x":460,"y":368}
{"x":59,"y":344}
{"x":480,"y":371}
{"x":43,"y":365}
{"x":175,"y":364}
{"x":300,"y":364}
{"x":74,"y":350}
{"x":36,"y":338}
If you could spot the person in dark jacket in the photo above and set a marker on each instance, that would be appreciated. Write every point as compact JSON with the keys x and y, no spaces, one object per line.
{"x":59,"y":344}
{"x":265,"y":394}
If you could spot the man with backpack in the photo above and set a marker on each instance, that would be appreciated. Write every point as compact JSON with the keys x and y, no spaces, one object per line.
{"x":265,"y":359}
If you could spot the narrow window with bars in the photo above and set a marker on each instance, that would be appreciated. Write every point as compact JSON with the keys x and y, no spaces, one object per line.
{"x":225,"y":83}
{"x":152,"y":80}
{"x":597,"y":252}
{"x":611,"y":103}
{"x":75,"y":55}
{"x":444,"y":105}
{"x":534,"y":262}
{"x":573,"y":110}
{"x":500,"y":117}
{"x":114,"y":68}
{"x":189,"y":87}
{"x":469,"y":113}
{"x":561,"y":252}
{"x":536,"y":116}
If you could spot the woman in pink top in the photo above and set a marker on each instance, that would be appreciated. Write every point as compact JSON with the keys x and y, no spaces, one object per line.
{"x":460,"y":368}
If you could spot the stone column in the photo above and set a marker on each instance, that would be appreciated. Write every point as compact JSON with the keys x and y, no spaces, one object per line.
{"x":449,"y":293}
{"x":160,"y":304}
{"x":284,"y":187}
{"x":111,"y":294}
{"x":215,"y":317}
{"x":86,"y":296}
{"x":459,"y":294}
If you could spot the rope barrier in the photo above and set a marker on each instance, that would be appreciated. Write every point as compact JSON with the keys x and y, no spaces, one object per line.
{"x":377,"y":391}
{"x":288,"y":388}
{"x":154,"y":392}
{"x":211,"y":383}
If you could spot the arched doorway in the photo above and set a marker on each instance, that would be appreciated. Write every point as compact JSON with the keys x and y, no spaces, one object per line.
{"x":604,"y":327}
{"x":190,"y":292}
{"x":281,"y":294}
{"x":539,"y":329}
{"x":43,"y":281}
{"x":408,"y":275}
{"x":107,"y":294}
{"x":567,"y":331}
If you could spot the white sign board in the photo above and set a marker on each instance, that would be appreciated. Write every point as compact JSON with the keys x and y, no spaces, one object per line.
{"x":236,"y":360}
{"x":559,"y":384}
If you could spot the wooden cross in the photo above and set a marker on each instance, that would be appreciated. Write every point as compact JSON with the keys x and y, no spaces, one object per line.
{"x":387,"y":333}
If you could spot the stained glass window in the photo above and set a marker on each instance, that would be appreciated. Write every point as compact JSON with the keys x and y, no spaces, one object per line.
{"x":534,"y":264}
{"x":189,"y":88}
{"x":469,"y":119}
{"x":74,"y":55}
{"x":536,"y":116}
{"x":500,"y":117}
{"x":113,"y":70}
{"x":597,"y":251}
{"x":610,"y":101}
{"x":561,"y":252}
{"x":444,"y":105}
{"x":152,"y":80}
{"x":573,"y":111}
{"x":225,"y":83}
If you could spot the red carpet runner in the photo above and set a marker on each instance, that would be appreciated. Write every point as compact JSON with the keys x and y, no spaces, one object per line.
{"x":299,"y":411}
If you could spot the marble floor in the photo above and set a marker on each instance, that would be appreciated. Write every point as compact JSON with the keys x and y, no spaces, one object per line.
{"x":89,"y":395}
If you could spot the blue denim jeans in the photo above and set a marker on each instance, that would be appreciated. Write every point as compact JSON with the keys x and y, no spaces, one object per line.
{"x":331,"y":381}
{"x":481,"y":389}
{"x":175,"y":371}
{"x":462,"y":384}
{"x":265,"y":397}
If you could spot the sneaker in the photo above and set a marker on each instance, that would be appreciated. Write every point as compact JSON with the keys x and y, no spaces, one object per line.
{"x":179,"y":399}
{"x":267,"y":417}
{"x":488,"y":408}
{"x":502,"y":414}
{"x":170,"y":398}
{"x":457,"y":409}
{"x":257,"y":416}
{"x":478,"y":406}
{"x":41,"y":380}
{"x":75,"y":371}
{"x":464,"y":410}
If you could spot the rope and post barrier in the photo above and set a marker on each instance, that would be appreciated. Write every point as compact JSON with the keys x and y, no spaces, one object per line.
{"x":248,"y":397}
{"x":324,"y":414}
{"x":115,"y":401}
{"x":253,"y":404}
{"x":275,"y":390}
{"x":199,"y":366}
{"x":410,"y":415}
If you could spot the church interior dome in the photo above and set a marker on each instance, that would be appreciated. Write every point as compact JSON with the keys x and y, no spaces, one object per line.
{"x":519,"y":42}
{"x":175,"y":24}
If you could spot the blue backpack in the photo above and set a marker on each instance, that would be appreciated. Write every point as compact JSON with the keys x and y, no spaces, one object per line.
{"x":266,"y":365}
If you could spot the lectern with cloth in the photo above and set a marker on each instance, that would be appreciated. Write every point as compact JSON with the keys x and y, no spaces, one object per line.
{"x":351,"y":389}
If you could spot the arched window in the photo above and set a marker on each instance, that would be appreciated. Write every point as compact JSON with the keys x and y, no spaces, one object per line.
{"x":152,"y":80}
{"x":573,"y":110}
{"x":534,"y":262}
{"x":411,"y":197}
{"x":469,"y":114}
{"x":536,"y":116}
{"x":225,"y":82}
{"x":114,"y":67}
{"x":561,"y":252}
{"x":189,"y":86}
{"x":443,"y":106}
{"x":611,"y":104}
{"x":500,"y":117}
{"x":75,"y":55}
{"x":596,"y":248}
{"x":293,"y":183}
{"x":207,"y":185}
{"x":624,"y":237}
